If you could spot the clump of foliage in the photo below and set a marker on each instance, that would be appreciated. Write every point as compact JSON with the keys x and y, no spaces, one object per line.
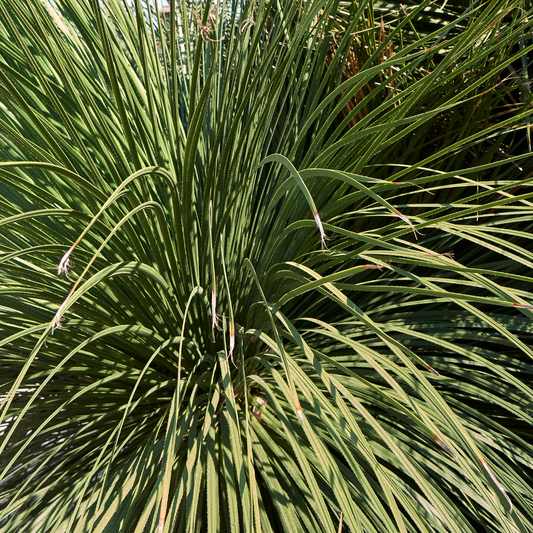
{"x":265,"y":266}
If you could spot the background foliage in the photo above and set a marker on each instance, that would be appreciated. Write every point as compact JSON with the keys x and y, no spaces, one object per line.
{"x":265,"y":266}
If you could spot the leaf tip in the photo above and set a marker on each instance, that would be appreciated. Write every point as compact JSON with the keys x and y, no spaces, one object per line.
{"x":521,"y":306}
{"x":372,"y":267}
{"x":320,"y":228}
{"x":443,"y":445}
{"x":407,"y":221}
{"x":64,"y":264}
{"x":257,"y":413}
{"x":432,"y":370}
{"x":56,"y":323}
{"x":231,"y":340}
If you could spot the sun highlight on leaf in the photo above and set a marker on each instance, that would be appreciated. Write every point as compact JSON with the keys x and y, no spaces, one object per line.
{"x":267,"y":329}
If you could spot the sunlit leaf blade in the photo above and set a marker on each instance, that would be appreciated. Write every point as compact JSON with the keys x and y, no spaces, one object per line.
{"x":266,"y":266}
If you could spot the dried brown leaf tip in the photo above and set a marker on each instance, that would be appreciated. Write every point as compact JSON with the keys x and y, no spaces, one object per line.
{"x":407,"y":221}
{"x":56,"y":322}
{"x":522,"y":306}
{"x":443,"y":445}
{"x":323,"y":237}
{"x":432,"y":370}
{"x":231,"y":340}
{"x":206,"y":30}
{"x":64,"y":264}
{"x":257,"y":413}
{"x":373,"y":267}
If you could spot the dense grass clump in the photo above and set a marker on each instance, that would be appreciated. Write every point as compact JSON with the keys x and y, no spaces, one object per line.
{"x":265,"y":266}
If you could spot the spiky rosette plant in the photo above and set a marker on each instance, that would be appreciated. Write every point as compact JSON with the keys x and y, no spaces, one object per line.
{"x":229,"y":305}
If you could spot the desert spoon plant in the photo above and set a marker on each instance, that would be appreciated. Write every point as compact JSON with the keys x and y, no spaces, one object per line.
{"x":265,"y":266}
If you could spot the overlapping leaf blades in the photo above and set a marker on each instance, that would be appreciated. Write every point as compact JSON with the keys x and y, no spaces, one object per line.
{"x":200,"y":360}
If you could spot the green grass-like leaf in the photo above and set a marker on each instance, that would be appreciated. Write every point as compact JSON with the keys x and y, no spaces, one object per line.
{"x":265,"y":266}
